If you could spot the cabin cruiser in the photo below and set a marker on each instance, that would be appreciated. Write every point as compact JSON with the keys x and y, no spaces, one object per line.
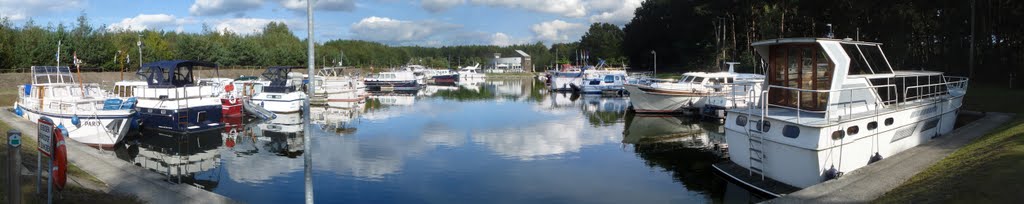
{"x":692,"y":91}
{"x":445,"y":77}
{"x":611,"y":83}
{"x":335,"y":87}
{"x":173,"y":101}
{"x":392,"y":81}
{"x":87,"y":113}
{"x":566,"y":79}
{"x":282,"y":95}
{"x":471,"y":72}
{"x":820,"y":94}
{"x":248,"y":86}
{"x":231,"y":105}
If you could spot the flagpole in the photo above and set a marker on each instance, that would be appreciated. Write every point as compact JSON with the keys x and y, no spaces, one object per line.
{"x":78,"y":68}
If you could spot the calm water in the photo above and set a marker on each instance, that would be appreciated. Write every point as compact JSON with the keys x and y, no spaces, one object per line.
{"x":500,"y":141}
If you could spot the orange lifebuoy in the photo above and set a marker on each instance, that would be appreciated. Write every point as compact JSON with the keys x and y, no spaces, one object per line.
{"x":60,"y":160}
{"x":229,"y":88}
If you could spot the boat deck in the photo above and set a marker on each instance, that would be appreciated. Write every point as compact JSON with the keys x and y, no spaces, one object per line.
{"x":767,"y":186}
{"x":818,"y":119}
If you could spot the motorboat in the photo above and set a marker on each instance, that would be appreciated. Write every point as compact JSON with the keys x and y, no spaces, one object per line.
{"x":568,"y":78}
{"x":819,"y":95}
{"x":471,"y":72}
{"x":248,"y":86}
{"x":283,"y":94}
{"x":85,"y":111}
{"x":333,"y":86}
{"x":174,"y":101}
{"x":610,"y":83}
{"x":691,"y":92}
{"x":231,"y":101}
{"x":392,"y":81}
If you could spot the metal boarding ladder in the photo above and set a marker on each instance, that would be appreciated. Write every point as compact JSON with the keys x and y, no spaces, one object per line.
{"x":755,"y":141}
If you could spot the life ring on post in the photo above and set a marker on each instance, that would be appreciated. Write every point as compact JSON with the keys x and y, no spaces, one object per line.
{"x":60,"y":160}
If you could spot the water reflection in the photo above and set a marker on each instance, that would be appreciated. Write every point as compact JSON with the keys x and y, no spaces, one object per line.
{"x":490,"y":141}
{"x":190,"y":159}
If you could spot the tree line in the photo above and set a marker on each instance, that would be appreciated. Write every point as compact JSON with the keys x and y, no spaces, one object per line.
{"x":687,"y":35}
{"x":917,"y":34}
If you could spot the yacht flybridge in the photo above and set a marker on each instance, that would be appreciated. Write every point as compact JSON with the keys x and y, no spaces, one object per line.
{"x":85,"y":110}
{"x":172,"y":100}
{"x":833,"y":106}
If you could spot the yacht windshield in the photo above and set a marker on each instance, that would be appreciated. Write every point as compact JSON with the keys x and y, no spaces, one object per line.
{"x":685,"y":79}
{"x":698,"y":80}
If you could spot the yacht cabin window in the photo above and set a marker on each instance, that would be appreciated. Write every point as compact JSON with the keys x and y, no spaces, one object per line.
{"x":698,"y":80}
{"x":800,"y":66}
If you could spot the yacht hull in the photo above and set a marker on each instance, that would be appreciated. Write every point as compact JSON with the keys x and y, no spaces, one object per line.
{"x":93,"y":130}
{"x":804,"y":166}
{"x":648,"y":100}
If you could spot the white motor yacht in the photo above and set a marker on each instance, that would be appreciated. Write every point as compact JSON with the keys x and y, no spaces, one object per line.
{"x":692,"y":91}
{"x":87,"y":113}
{"x":283,"y":94}
{"x":470,"y":72}
{"x":335,"y":87}
{"x":832,"y":106}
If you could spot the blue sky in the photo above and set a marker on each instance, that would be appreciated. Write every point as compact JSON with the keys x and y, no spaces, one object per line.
{"x":395,"y":22}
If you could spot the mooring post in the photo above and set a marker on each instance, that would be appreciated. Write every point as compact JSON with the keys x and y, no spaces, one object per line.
{"x":13,"y":166}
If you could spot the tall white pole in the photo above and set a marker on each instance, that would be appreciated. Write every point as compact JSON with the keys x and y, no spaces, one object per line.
{"x":308,"y":155}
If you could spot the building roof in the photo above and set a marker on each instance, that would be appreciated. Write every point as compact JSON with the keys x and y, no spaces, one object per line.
{"x":521,"y":53}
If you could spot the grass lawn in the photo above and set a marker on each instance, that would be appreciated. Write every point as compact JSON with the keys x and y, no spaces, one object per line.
{"x":985,"y":171}
{"x":71,"y":194}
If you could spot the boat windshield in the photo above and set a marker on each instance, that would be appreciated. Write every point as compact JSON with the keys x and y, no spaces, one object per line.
{"x":685,"y":79}
{"x":697,"y":80}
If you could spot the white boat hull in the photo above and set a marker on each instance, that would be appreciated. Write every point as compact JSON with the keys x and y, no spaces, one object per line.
{"x":93,"y":130}
{"x":652,"y":102}
{"x":805,"y":166}
{"x":291,"y":102}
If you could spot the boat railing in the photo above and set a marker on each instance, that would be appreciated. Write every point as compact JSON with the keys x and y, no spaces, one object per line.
{"x":841,"y":108}
{"x":936,"y":89}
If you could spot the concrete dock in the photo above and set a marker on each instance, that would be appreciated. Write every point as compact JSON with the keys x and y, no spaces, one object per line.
{"x":870,"y":182}
{"x":120,"y":176}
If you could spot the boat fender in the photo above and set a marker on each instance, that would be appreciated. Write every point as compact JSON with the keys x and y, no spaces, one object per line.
{"x":18,"y":111}
{"x":76,"y":121}
{"x":875,"y":158}
{"x":64,"y":130}
{"x":60,"y":160}
{"x":229,"y":88}
{"x":831,"y":173}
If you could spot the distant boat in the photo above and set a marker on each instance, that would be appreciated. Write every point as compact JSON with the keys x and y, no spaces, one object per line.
{"x":334,"y":87}
{"x":692,"y":91}
{"x":173,"y":101}
{"x":610,"y":83}
{"x":567,"y":78}
{"x":283,"y":94}
{"x":392,"y":81}
{"x":471,"y":72}
{"x":86,"y":111}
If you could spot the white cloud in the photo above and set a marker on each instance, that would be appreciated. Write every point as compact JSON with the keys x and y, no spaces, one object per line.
{"x":440,"y":5}
{"x":149,"y":22}
{"x":393,"y":31}
{"x":24,"y":9}
{"x":243,"y":26}
{"x":557,"y":31}
{"x":501,"y":39}
{"x":618,"y":12}
{"x":324,"y":5}
{"x":567,"y":8}
{"x":220,"y":7}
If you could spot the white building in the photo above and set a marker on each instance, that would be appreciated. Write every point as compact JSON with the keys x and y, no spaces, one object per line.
{"x":518,"y":63}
